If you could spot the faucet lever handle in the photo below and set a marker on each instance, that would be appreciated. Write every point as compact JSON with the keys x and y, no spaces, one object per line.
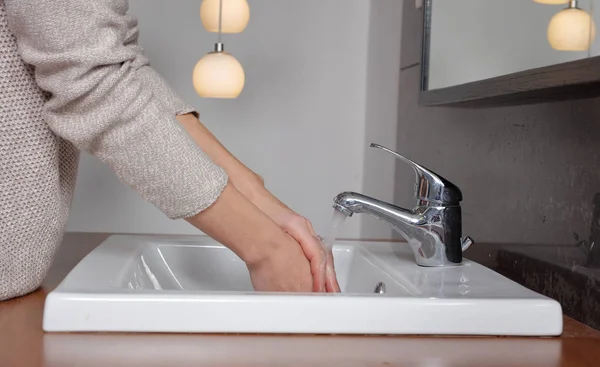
{"x":430,"y":186}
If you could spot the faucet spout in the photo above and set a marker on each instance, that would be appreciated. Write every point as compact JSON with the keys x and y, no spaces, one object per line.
{"x":352,"y":202}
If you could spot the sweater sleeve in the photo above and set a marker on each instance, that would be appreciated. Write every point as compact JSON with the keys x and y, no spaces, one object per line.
{"x":105,"y":99}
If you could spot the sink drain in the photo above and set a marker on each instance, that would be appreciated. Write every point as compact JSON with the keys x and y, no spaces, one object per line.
{"x":380,"y":288}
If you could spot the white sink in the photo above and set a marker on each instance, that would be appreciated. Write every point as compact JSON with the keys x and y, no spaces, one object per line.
{"x":194,"y":284}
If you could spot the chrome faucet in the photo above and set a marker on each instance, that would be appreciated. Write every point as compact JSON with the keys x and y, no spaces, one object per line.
{"x":432,"y":229}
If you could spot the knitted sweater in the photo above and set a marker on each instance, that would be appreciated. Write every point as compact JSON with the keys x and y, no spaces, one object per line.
{"x":72,"y":77}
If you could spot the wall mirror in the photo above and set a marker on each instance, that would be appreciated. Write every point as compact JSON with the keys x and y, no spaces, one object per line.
{"x":487,"y":52}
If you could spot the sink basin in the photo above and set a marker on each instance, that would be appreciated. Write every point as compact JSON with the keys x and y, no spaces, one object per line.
{"x":194,"y":284}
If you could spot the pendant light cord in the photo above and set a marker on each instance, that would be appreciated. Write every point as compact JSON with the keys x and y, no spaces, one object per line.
{"x":591,"y":31}
{"x":220,"y":20}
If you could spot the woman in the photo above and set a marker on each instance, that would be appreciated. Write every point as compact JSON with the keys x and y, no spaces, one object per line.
{"x":72,"y":77}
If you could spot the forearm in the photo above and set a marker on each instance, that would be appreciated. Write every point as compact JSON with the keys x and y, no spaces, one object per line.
{"x":239,"y":225}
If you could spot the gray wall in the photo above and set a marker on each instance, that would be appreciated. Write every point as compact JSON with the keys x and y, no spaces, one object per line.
{"x":528,"y":173}
{"x":383,"y":73}
{"x":301,"y":121}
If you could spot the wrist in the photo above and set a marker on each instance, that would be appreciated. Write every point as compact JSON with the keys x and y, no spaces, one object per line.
{"x":252,"y":186}
{"x":273,"y":207}
{"x":268,"y":249}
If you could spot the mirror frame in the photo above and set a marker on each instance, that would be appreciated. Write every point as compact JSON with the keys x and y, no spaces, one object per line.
{"x":566,"y":81}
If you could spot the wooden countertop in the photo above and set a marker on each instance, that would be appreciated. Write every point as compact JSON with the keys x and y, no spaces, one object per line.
{"x":23,"y":343}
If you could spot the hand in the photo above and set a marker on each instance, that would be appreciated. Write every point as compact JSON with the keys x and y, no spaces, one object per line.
{"x":286,"y":269}
{"x":300,"y":228}
{"x":275,"y":260}
{"x":321,"y":260}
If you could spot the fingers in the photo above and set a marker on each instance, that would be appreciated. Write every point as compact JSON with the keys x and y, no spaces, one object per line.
{"x":308,"y":224}
{"x":314,"y":252}
{"x":318,"y":271}
{"x":321,"y":260}
{"x":331,"y":283}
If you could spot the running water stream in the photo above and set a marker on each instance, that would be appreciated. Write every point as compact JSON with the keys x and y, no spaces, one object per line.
{"x":337,"y":219}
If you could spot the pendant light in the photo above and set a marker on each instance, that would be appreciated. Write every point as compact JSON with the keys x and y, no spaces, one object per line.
{"x":552,"y":2}
{"x":571,"y":29}
{"x":234,"y":15}
{"x":218,"y":74}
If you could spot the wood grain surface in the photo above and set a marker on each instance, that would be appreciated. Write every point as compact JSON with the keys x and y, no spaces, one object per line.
{"x":23,"y":343}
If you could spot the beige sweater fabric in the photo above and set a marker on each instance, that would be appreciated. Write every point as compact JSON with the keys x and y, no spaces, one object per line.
{"x":72,"y":77}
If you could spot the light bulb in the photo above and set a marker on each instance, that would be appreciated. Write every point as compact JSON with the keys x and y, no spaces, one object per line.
{"x":569,"y":30}
{"x":552,"y":2}
{"x":218,"y":75}
{"x":234,"y":17}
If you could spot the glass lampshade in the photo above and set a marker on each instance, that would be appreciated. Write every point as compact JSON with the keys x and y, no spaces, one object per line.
{"x":235,"y":17}
{"x":571,"y":29}
{"x":218,"y":75}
